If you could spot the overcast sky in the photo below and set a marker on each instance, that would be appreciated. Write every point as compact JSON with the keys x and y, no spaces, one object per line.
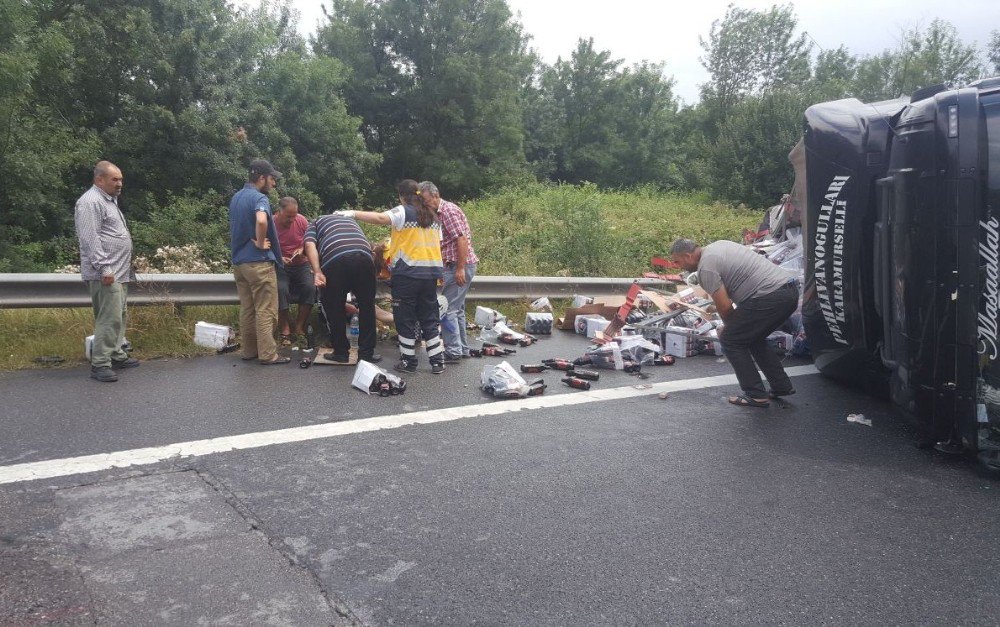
{"x":667,"y":31}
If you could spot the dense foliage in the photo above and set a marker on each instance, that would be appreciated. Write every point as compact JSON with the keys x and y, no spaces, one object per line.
{"x":183,"y":93}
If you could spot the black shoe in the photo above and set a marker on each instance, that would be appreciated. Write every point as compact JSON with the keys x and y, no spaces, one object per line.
{"x":340,"y":359}
{"x":403,"y":366}
{"x":372,"y":359}
{"x":452,"y":359}
{"x":124,"y":364}
{"x":437,"y":368}
{"x":104,"y":374}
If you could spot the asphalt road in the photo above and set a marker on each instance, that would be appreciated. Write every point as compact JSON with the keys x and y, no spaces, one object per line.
{"x":629,"y":511}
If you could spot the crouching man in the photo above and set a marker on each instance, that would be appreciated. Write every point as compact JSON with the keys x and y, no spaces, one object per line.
{"x":754,"y":297}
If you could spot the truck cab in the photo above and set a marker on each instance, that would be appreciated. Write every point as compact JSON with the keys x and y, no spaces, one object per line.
{"x":902,"y":238}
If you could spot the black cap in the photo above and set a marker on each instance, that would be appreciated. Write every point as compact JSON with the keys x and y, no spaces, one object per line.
{"x":263,"y":167}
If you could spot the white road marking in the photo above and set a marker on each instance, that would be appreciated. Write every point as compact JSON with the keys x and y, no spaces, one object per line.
{"x":53,"y":468}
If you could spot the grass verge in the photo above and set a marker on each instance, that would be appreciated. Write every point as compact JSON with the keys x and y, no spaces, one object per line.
{"x":155,"y":331}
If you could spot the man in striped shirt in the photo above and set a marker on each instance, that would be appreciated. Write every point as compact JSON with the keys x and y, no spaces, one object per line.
{"x":342,"y":261}
{"x":106,"y":266}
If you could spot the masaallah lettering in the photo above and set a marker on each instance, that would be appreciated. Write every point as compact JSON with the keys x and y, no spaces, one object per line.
{"x":989,"y":252}
{"x":828,"y":255}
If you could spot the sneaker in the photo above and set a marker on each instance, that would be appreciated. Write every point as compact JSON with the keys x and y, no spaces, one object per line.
{"x":437,"y":368}
{"x":372,"y":359}
{"x":340,"y":359}
{"x":403,"y":366}
{"x":124,"y":364}
{"x":104,"y":374}
{"x":452,"y":359}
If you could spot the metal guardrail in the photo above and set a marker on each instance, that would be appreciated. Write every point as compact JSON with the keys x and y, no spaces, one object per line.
{"x":68,"y":290}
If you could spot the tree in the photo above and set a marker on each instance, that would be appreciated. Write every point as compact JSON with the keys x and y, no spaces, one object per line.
{"x":437,"y":83}
{"x":181,"y":94}
{"x":922,"y":58}
{"x":589,"y":120}
{"x":329,"y":150}
{"x":750,"y":53}
{"x":749,"y":160}
{"x":833,"y":75}
{"x":40,"y":148}
{"x":993,"y":53}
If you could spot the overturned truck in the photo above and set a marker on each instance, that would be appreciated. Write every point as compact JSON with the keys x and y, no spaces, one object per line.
{"x":902,"y":240}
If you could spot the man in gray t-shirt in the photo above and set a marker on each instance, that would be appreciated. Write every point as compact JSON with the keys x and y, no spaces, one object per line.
{"x":754,"y":297}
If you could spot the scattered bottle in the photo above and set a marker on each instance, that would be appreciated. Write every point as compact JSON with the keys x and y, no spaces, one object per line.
{"x":664,"y":360}
{"x":533,"y":368}
{"x":583,"y":361}
{"x":382,"y":386}
{"x":590,"y":375}
{"x":355,"y":331}
{"x":228,"y":348}
{"x":536,"y":388}
{"x":579,"y":384}
{"x":527,"y":340}
{"x":558,"y":364}
{"x":631,"y":366}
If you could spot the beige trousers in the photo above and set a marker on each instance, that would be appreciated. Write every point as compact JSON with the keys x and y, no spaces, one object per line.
{"x":257,"y":286}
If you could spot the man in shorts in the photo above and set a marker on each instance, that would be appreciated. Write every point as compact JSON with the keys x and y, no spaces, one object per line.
{"x":296,"y":282}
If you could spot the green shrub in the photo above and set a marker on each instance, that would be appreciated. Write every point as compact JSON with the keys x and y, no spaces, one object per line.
{"x":582,"y":231}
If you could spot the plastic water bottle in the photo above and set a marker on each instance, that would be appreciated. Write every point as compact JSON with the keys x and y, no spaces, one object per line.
{"x":355,"y":331}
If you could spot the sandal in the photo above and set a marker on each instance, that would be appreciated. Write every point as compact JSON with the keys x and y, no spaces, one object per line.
{"x":277,"y":361}
{"x":776,"y":395}
{"x":745,"y":400}
{"x":286,"y":339}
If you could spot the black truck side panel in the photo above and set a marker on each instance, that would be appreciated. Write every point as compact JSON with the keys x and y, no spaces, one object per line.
{"x":846,"y":146}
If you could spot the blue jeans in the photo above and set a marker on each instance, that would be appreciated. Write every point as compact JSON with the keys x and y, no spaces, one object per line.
{"x":456,"y":343}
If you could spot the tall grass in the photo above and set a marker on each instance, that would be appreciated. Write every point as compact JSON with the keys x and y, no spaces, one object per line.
{"x":570,"y":230}
{"x":154,"y":331}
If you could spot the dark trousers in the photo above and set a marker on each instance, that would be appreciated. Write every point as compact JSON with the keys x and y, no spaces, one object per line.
{"x":415,"y":305}
{"x":355,"y":273}
{"x":744,"y":340}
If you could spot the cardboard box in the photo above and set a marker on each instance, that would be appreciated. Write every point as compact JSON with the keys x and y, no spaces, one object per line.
{"x":582,"y":321}
{"x":212,"y":335}
{"x":595,"y":325}
{"x":486,"y":317}
{"x":605,"y":309}
{"x":679,"y":344}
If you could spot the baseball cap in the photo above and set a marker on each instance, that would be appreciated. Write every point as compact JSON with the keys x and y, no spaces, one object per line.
{"x":263,"y":167}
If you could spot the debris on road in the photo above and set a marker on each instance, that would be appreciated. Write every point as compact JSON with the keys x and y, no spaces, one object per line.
{"x":574,"y":382}
{"x":860,"y":419}
{"x":502,"y":381}
{"x":541,"y":304}
{"x":212,"y":335}
{"x":371,"y":379}
{"x":538,"y":323}
{"x":228,"y":348}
